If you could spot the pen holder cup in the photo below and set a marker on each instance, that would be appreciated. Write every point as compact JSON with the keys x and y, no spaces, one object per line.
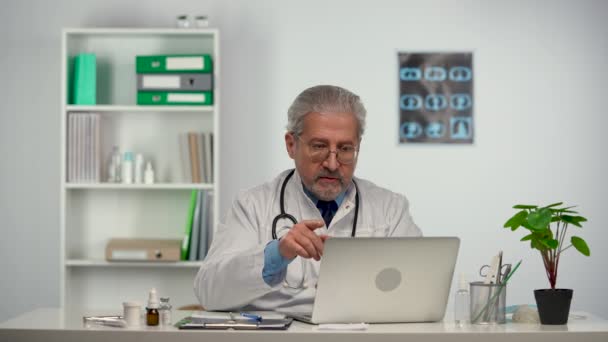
{"x":488,"y":303}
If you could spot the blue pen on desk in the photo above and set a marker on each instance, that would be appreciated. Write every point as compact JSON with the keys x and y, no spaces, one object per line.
{"x":252,"y":316}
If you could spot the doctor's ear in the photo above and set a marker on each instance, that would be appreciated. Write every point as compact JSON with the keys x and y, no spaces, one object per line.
{"x":290,"y":144}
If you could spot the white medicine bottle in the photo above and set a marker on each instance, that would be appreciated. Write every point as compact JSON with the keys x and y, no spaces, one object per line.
{"x":127,"y":168}
{"x":165,"y":311}
{"x":462,"y":302}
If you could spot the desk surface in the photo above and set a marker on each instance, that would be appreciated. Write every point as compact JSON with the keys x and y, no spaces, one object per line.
{"x":54,"y":324}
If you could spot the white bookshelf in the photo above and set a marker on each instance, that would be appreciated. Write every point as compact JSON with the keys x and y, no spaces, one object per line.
{"x":139,"y":108}
{"x":157,"y":186}
{"x":104,"y":263}
{"x":92,"y":213}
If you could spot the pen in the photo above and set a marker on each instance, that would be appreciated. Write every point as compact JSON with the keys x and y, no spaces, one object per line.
{"x":499,"y":267}
{"x":252,"y":316}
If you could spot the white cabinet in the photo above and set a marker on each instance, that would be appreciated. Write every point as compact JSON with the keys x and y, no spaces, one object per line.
{"x":91,"y":214}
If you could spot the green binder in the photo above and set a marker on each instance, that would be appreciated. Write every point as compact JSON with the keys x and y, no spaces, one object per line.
{"x":175,"y":98}
{"x":186,"y":241}
{"x":173,"y":64}
{"x":85,"y":79}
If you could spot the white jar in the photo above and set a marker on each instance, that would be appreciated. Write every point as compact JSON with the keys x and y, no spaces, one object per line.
{"x":132,"y":313}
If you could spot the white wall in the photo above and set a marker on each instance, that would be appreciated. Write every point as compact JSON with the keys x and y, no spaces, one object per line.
{"x":540,"y":84}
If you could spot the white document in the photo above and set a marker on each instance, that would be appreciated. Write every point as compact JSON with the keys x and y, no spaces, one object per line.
{"x":346,"y":326}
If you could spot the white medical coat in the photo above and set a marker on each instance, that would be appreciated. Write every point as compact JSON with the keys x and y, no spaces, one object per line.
{"x":231,"y":275}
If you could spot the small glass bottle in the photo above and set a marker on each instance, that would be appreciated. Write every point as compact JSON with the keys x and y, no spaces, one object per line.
{"x":152,"y":316}
{"x":462,"y":302}
{"x":165,"y":311}
{"x":182,"y":21}
{"x":114,"y":166}
{"x":201,"y":21}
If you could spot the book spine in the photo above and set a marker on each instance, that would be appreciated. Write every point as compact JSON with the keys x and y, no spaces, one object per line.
{"x":71,"y":136}
{"x":196,"y":228}
{"x":85,"y":79}
{"x":201,"y":156}
{"x":185,"y":157}
{"x":194,"y":163}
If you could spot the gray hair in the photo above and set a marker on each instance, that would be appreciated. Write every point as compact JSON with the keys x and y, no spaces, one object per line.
{"x":324,"y":99}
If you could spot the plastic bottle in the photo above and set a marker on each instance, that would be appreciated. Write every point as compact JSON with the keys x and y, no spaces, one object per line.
{"x":139,"y":168}
{"x":152,"y":316}
{"x":114,"y":166}
{"x":165,"y":311}
{"x":462,"y":302}
{"x":149,"y":174}
{"x":127,"y":168}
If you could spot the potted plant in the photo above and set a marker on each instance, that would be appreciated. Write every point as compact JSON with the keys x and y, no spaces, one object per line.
{"x":547,"y":228}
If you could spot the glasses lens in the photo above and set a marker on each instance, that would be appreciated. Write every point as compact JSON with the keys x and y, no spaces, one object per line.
{"x":320,"y":152}
{"x":344,"y":156}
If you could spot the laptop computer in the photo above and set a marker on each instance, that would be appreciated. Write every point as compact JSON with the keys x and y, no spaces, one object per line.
{"x":384,"y":280}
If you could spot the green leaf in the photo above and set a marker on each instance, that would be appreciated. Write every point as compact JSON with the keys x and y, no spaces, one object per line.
{"x":575,"y":220}
{"x":565,"y":210}
{"x":536,"y":244}
{"x":580,"y":245}
{"x":540,"y":219}
{"x":516,"y":221}
{"x":552,"y":243}
{"x":527,"y":237}
{"x":548,"y":243}
{"x":525,"y":206}
{"x":527,"y":225}
{"x":554,"y":205}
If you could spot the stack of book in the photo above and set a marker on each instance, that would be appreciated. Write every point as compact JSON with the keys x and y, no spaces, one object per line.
{"x":174,"y":80}
{"x":199,"y":223}
{"x":197,"y":156}
{"x":84,"y":148}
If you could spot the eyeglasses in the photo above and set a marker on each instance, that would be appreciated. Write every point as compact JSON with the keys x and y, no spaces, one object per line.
{"x":319,"y":152}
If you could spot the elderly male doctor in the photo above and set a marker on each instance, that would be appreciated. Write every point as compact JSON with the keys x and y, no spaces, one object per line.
{"x":246,"y":268}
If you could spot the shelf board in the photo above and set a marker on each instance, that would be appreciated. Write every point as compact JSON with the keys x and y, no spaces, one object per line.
{"x":158,"y":264}
{"x":124,"y":108}
{"x":140,"y":31}
{"x":156,"y":186}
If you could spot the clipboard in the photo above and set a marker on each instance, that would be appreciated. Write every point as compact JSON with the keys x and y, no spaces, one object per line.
{"x":224,"y":321}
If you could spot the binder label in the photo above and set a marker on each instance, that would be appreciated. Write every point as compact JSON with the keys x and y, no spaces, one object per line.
{"x":195,"y":98}
{"x":161,"y":82}
{"x":185,"y":63}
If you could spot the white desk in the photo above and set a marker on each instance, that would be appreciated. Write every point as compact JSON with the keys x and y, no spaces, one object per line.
{"x":57,"y":325}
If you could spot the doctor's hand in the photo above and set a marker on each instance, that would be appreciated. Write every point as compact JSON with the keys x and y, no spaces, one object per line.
{"x":301,"y":240}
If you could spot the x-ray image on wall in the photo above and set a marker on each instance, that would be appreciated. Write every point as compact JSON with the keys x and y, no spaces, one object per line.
{"x":436,"y":98}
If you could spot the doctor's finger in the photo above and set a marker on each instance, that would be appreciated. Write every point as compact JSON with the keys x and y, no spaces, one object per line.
{"x":300,"y":251}
{"x":316,"y":241}
{"x":305,"y":242}
{"x":313,"y":224}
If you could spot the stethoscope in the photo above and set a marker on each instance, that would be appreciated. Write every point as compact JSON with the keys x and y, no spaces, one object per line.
{"x":284,"y":215}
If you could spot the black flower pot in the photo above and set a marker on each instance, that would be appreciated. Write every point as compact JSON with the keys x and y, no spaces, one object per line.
{"x":553,"y":305}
